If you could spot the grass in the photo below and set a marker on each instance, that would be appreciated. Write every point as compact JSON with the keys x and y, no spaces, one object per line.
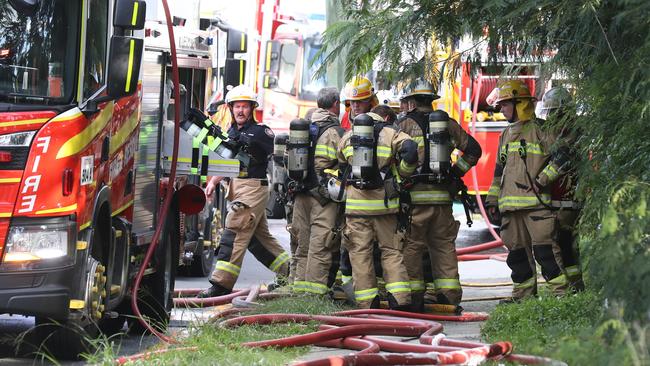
{"x":221,"y":346}
{"x":576,"y":329}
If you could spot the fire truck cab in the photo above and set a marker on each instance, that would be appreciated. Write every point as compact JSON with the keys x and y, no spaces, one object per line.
{"x":84,"y":165}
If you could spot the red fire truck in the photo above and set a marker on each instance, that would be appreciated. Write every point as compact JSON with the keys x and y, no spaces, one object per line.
{"x":289,"y":34}
{"x":83,"y":166}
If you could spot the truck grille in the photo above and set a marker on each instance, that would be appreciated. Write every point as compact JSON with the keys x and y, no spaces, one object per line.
{"x":18,"y":158}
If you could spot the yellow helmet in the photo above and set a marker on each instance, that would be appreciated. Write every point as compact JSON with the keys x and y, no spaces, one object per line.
{"x":517,"y":91}
{"x":513,"y":89}
{"x":242,"y":93}
{"x":359,"y":88}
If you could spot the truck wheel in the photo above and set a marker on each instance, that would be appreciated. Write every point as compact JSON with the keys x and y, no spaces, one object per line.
{"x":203,"y":258}
{"x":274,"y":210}
{"x":70,"y":339}
{"x":155,"y":299}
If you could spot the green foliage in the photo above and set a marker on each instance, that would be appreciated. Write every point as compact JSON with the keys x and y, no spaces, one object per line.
{"x":601,"y":48}
{"x":573,"y":329}
{"x":300,"y":305}
{"x":222,"y":346}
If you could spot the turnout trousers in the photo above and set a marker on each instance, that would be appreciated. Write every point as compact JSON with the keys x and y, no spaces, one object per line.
{"x":246,"y":220}
{"x":433,"y":229}
{"x":529,"y":236}
{"x":568,"y":250}
{"x":313,"y":225}
{"x":360,"y":233}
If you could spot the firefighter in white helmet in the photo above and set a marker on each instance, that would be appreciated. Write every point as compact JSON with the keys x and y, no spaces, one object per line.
{"x":248,"y":195}
{"x":312,"y":150}
{"x":435,"y":185}
{"x":373,"y":157}
{"x":557,"y":104}
{"x":525,"y":170}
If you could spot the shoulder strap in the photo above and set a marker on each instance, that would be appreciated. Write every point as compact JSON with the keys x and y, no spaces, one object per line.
{"x":422,"y":119}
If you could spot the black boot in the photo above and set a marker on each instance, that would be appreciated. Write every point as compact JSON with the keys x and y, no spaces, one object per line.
{"x":214,"y":291}
{"x":417,"y":302}
{"x":394,"y":305}
{"x":376,"y":303}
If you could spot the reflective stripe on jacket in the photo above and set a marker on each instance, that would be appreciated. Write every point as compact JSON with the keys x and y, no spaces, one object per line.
{"x":437,"y":194}
{"x":511,"y":188}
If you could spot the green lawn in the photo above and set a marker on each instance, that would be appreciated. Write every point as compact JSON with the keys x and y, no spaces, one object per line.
{"x":577,"y":329}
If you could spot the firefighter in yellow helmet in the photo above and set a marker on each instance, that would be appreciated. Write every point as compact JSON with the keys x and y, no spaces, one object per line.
{"x":435,"y":184}
{"x":360,"y":93}
{"x":248,"y":195}
{"x":525,"y":169}
{"x":377,"y":155}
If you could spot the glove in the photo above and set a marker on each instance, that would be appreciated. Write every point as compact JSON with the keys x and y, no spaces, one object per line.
{"x":409,"y":152}
{"x":455,"y":185}
{"x":196,"y":116}
{"x":244,"y":139}
{"x":494,"y":215}
{"x":455,"y":171}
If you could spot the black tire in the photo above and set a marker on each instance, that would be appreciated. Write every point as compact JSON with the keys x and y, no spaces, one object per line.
{"x":274,"y":210}
{"x":114,"y":326}
{"x":155,"y":299}
{"x":203,"y":258}
{"x":69,"y":339}
{"x":63,"y":341}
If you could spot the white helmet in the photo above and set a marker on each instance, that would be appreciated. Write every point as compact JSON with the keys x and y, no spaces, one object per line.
{"x":419,"y":87}
{"x":334,"y":190}
{"x":553,"y":99}
{"x":242,"y":93}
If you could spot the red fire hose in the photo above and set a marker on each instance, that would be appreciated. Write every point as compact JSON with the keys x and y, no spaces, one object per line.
{"x":460,"y":357}
{"x":168,"y":197}
{"x":208,"y":301}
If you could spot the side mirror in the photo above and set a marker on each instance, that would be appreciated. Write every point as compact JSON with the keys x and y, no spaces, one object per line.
{"x":272,"y":57}
{"x":237,"y":42}
{"x":235,"y":72}
{"x":270,"y":82}
{"x":125,"y":58}
{"x":129,"y":14}
{"x":271,"y":64}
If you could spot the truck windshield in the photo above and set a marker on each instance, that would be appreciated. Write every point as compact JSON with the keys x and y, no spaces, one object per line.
{"x":310,"y":84}
{"x":38,"y":55}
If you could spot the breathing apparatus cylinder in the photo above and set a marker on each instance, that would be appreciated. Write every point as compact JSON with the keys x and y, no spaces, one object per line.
{"x":199,"y":126}
{"x":439,"y":145}
{"x":279,"y":170}
{"x":298,"y":149}
{"x":363,"y":145}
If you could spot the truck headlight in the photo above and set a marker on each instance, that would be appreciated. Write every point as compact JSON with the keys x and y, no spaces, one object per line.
{"x":19,"y":139}
{"x":39,"y":243}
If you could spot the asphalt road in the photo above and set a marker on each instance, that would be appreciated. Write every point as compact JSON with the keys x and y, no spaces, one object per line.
{"x":252,"y":273}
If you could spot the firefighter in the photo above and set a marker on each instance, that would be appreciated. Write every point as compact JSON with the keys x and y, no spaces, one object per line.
{"x":359,"y":94}
{"x":386,"y":112}
{"x":520,"y":193}
{"x":435,"y":184}
{"x":315,"y":213}
{"x":556,"y":105}
{"x":378,"y":156}
{"x":248,"y":195}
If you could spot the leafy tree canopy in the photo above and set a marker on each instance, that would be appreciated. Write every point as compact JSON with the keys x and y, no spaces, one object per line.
{"x":600,"y":47}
